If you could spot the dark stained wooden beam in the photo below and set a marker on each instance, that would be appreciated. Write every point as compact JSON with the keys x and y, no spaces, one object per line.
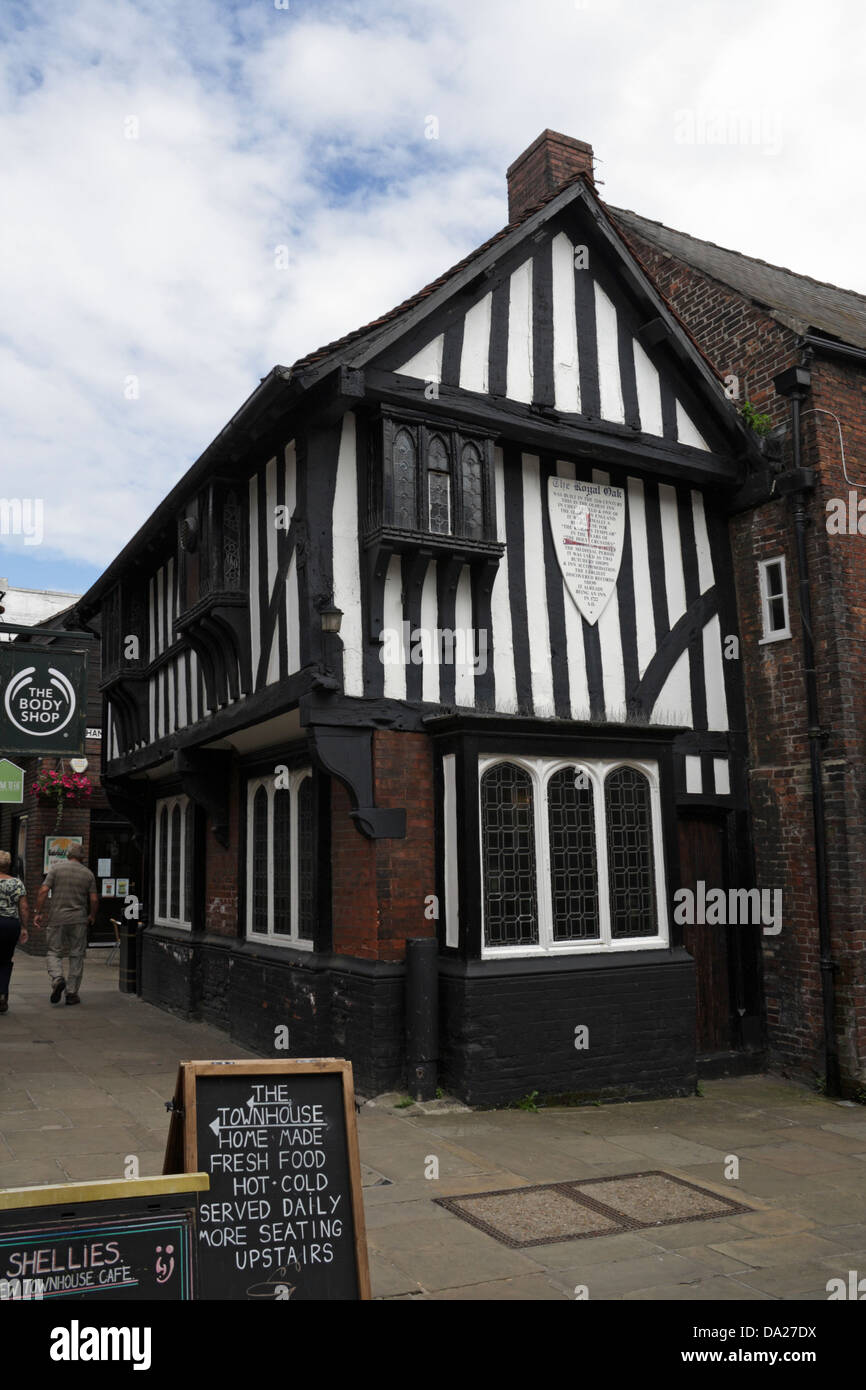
{"x":559,"y":433}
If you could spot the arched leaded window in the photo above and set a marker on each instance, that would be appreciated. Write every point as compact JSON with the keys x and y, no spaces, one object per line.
{"x":305,"y":859}
{"x":439,"y":486}
{"x":473,"y":491}
{"x":282,"y":862}
{"x":404,"y":475}
{"x":280,"y":867}
{"x":630,"y":853}
{"x":162,"y":850}
{"x":508,"y":857}
{"x":174,"y":861}
{"x":572,"y":845}
{"x":260,"y":862}
{"x":174,"y":855}
{"x":571,"y":858}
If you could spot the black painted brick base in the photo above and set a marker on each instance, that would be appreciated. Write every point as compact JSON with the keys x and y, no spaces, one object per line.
{"x":505,"y":1030}
{"x":508,"y":1031}
{"x":263,"y":997}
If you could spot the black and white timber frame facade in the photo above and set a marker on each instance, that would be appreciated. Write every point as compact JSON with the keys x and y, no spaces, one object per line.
{"x":402,"y":477}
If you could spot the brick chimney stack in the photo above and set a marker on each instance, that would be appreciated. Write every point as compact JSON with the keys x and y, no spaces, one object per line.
{"x":550,"y":161}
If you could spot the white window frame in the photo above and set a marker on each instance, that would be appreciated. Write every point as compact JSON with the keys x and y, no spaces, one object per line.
{"x":540,"y":771}
{"x":773,"y":634}
{"x":273,"y":938}
{"x":184,"y":922}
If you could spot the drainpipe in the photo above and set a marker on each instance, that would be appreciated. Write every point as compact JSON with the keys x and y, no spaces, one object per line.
{"x":795,"y":383}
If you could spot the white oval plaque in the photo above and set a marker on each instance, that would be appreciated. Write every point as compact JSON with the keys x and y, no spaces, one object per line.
{"x":588,"y":524}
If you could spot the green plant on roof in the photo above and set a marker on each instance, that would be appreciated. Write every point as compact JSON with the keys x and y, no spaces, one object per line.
{"x":761,"y":424}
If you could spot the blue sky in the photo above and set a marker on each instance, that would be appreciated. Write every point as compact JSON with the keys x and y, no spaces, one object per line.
{"x":156,"y":154}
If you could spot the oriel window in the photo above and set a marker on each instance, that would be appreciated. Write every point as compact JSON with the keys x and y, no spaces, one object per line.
{"x":439,"y":487}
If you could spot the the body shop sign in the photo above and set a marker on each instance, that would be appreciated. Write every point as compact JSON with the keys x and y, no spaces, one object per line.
{"x":43,"y":700}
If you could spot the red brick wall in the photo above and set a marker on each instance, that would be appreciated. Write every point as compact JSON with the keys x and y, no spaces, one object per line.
{"x":743,"y":340}
{"x":379,"y":886}
{"x":547,"y":164}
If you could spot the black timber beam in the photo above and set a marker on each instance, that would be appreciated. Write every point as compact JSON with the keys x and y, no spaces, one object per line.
{"x":279,"y":698}
{"x":557,"y":432}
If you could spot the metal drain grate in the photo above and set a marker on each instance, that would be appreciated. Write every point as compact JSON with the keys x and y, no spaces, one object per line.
{"x":551,"y":1212}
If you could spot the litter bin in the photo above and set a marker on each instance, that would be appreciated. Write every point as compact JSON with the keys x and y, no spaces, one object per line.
{"x":128,"y":980}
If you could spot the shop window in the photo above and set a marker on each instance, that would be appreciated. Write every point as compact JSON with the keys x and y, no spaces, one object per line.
{"x":280,"y":860}
{"x":173,"y":858}
{"x":774,"y":600}
{"x":571,"y":856}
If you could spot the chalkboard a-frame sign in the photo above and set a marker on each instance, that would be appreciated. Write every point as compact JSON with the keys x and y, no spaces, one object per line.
{"x":284,"y":1217}
{"x":124,"y":1238}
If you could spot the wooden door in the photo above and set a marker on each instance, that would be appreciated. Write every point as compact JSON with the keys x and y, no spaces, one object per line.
{"x":702,"y":856}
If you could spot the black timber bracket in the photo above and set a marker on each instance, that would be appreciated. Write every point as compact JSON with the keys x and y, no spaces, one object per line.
{"x":127,"y":692}
{"x":348,"y":755}
{"x":205,"y":778}
{"x":328,"y":399}
{"x":129,"y":798}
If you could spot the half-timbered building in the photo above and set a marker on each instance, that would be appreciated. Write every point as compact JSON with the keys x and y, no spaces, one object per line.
{"x":438,"y":639}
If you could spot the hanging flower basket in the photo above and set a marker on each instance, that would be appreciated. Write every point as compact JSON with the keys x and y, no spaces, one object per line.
{"x":62,"y":789}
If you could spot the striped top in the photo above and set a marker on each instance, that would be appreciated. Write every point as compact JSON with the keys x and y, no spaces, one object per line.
{"x":11,"y":889}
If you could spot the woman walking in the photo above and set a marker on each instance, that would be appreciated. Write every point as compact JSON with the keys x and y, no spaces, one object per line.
{"x":14,"y":916}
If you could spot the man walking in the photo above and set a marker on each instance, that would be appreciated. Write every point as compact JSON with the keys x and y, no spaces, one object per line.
{"x":74,"y":903}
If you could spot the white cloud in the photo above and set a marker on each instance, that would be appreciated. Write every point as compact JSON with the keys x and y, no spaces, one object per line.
{"x":155,"y":257}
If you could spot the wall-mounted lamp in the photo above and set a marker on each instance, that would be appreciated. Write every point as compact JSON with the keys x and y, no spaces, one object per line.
{"x":331,"y":616}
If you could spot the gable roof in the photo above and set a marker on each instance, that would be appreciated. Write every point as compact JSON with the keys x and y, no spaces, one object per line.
{"x":798,"y":301}
{"x":355,"y":336}
{"x":358,"y":347}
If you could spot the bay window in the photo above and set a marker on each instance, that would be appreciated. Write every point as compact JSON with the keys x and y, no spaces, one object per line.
{"x":571,"y":856}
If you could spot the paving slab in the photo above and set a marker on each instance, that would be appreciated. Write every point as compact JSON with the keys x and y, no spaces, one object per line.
{"x":616,"y":1279}
{"x":61,"y":1143}
{"x":528,"y":1288}
{"x":13,"y":1121}
{"x":452,"y":1265}
{"x":717,"y":1290}
{"x":801,"y":1158}
{"x":695,"y":1232}
{"x":668,"y":1146}
{"x":31,"y":1172}
{"x":600,"y":1250}
{"x":795,"y":1281}
{"x":96,"y":1166}
{"x":762,"y":1252}
{"x":712,"y":1258}
{"x":14,"y":1101}
{"x":774,"y":1223}
{"x":101,"y":1074}
{"x":387,"y":1280}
